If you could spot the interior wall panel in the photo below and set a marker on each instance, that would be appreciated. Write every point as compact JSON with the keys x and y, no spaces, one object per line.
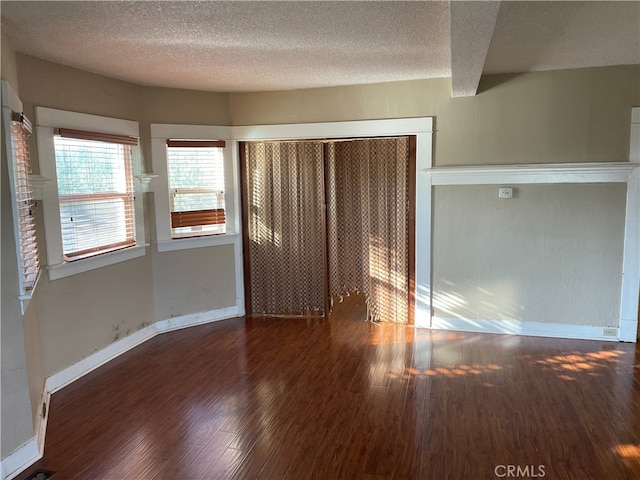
{"x":551,"y":254}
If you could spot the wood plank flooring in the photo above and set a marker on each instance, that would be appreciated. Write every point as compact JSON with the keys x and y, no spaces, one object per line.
{"x":345,"y":399}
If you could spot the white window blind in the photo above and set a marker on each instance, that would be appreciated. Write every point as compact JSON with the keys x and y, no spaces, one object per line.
{"x":95,"y":191}
{"x":196,"y":187}
{"x":25,"y":203}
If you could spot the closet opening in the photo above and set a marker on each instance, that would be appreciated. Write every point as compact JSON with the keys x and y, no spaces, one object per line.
{"x":326,"y":218}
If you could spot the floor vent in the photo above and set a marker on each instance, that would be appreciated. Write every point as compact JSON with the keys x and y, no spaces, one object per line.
{"x":41,"y":475}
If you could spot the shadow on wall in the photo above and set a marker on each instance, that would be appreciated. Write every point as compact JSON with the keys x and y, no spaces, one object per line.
{"x":478,"y":302}
{"x":488,"y":82}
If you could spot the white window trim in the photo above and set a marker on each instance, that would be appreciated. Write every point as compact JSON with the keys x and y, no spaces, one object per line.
{"x":48,"y":119}
{"x":11,"y":102}
{"x":159,"y":135}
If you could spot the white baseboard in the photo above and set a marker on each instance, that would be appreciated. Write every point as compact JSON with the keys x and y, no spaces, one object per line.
{"x":20,"y":459}
{"x":70,"y":374}
{"x":41,"y":425}
{"x":176,"y":323}
{"x":32,"y":451}
{"x":512,"y":327}
{"x":628,"y":330}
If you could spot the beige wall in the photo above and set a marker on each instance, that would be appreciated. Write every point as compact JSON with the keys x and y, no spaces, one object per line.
{"x":18,"y":374}
{"x":16,"y":415}
{"x":545,"y":117}
{"x":552,"y":254}
{"x":192,"y":281}
{"x":572,"y":116}
{"x":202,"y":279}
{"x":9,"y":65}
{"x":83,"y":313}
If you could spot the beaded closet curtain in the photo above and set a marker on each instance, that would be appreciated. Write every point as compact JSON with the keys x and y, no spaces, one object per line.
{"x":284,"y":197}
{"x":368,"y":224}
{"x":365,"y":247}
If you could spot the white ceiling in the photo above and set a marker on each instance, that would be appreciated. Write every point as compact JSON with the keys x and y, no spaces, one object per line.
{"x":257,"y":46}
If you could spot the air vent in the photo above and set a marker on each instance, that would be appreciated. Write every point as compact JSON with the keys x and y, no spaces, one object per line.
{"x":41,"y":475}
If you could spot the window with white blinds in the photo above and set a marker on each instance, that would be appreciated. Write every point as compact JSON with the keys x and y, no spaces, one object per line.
{"x":29,"y":264}
{"x":95,"y":192}
{"x":196,"y":187}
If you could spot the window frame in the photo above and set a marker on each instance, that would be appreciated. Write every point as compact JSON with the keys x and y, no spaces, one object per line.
{"x":11,"y":104}
{"x":48,"y":120}
{"x":194,"y":217}
{"x":160,"y":133}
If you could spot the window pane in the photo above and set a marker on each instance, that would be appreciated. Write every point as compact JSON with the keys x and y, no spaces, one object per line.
{"x":196,"y":182}
{"x":90,"y":225}
{"x":85,"y":166}
{"x":24,"y":204}
{"x":193,"y":168}
{"x":95,"y":189}
{"x":197,"y":201}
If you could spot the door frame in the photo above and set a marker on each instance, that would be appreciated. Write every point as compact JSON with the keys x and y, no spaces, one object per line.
{"x":422,"y":129}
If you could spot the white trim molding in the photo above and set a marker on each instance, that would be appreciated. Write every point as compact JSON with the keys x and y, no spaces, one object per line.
{"x":533,"y":329}
{"x":631,"y":262}
{"x":622,"y":172}
{"x":421,"y":127}
{"x":534,"y":173}
{"x":20,"y":459}
{"x":184,"y":321}
{"x":25,"y":456}
{"x":308,"y":131}
{"x":43,"y":418}
{"x":159,"y":135}
{"x":47,"y":120}
{"x":78,"y":370}
{"x":65,"y":269}
{"x":197,"y":242}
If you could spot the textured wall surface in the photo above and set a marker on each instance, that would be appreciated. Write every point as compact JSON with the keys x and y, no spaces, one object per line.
{"x":544,"y":117}
{"x":551,"y":254}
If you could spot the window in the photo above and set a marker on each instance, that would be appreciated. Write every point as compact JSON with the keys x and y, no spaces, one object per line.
{"x":16,"y":132}
{"x":95,"y":192}
{"x":196,"y":195}
{"x":90,"y":208}
{"x":23,"y":193}
{"x":196,"y":187}
{"x":24,"y":205}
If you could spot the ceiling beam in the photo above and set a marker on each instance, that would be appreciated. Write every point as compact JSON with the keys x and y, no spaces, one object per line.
{"x":472,"y":25}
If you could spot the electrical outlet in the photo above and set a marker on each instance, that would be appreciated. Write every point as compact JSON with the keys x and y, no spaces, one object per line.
{"x":609,"y":332}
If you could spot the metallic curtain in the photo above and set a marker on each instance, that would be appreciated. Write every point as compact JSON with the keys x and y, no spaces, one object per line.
{"x":368,"y":223}
{"x":284,"y":197}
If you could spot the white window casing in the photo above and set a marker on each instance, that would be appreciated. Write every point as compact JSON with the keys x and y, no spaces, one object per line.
{"x":168,"y":240}
{"x":23,"y":200}
{"x":58,"y":264}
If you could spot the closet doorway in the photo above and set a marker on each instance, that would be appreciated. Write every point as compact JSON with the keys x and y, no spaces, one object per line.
{"x":323,"y":219}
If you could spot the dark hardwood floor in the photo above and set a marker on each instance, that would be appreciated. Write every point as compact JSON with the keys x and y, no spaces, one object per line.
{"x":342,"y":398}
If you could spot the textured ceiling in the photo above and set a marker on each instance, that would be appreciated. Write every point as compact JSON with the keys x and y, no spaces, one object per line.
{"x":255,"y":46}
